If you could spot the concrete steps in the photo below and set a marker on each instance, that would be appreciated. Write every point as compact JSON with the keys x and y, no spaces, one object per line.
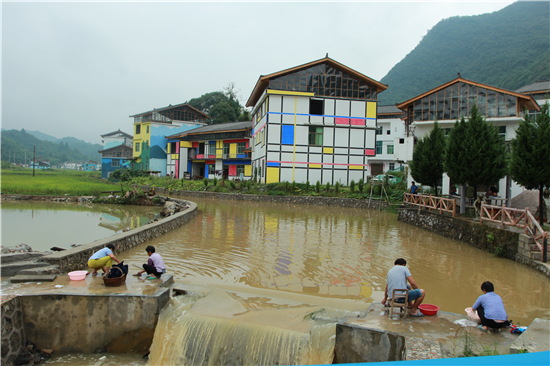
{"x":528,"y":248}
{"x":13,"y":268}
{"x":535,"y":339}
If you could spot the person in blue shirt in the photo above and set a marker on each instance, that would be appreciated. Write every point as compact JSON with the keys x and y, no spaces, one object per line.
{"x":414,"y":188}
{"x":103,"y":258}
{"x":490,"y":309}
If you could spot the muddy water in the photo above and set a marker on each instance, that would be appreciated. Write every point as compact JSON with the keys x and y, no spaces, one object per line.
{"x":339,"y":257}
{"x":44,"y":225}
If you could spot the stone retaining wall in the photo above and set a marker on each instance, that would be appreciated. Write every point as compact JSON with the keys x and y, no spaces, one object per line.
{"x":77,"y":258}
{"x":13,"y":334}
{"x":299,"y":200}
{"x":494,"y":240}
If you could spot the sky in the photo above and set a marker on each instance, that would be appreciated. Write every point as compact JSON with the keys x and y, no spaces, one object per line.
{"x":80,"y":69}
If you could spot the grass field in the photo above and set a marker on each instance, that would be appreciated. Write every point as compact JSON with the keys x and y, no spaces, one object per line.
{"x":54,"y":182}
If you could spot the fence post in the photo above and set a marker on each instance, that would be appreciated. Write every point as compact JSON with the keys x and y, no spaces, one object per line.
{"x":545,"y":249}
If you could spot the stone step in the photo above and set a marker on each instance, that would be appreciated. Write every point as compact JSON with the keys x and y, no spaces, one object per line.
{"x":11,"y":269}
{"x":49,"y":269}
{"x":18,"y":257}
{"x":33,"y":278}
{"x":535,"y":339}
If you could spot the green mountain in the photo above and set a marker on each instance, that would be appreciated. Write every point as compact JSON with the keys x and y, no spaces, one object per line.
{"x":19,"y":143}
{"x":508,"y":48}
{"x":42,"y":136}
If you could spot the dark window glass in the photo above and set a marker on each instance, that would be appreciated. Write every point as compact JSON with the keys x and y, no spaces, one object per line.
{"x":491,"y":103}
{"x":316,"y":106}
{"x":482,"y":101}
{"x":315,"y":136}
{"x":511,"y":106}
{"x":138,"y":129}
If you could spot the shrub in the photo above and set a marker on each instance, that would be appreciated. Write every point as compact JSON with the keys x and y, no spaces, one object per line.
{"x":318,"y":187}
{"x":232,"y":184}
{"x":205,"y":182}
{"x":360,"y":185}
{"x":307,"y":186}
{"x":215,"y":182}
{"x":293,"y":186}
{"x":327,"y":187}
{"x":352,"y":186}
{"x":337,"y":187}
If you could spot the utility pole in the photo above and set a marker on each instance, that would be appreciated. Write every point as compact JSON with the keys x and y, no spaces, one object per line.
{"x":33,"y":160}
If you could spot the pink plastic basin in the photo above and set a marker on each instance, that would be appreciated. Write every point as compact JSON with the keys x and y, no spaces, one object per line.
{"x":77,"y":275}
{"x":428,"y":309}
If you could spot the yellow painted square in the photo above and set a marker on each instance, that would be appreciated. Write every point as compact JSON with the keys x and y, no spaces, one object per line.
{"x":371,"y":109}
{"x":356,"y":167}
{"x":248,"y":170}
{"x":186,"y":144}
{"x":318,"y":166}
{"x":272,"y":175}
{"x":328,"y":150}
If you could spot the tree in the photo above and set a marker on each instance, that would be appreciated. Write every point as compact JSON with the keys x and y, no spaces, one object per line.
{"x":530,"y":162}
{"x":475,"y":153}
{"x":427,"y":163}
{"x":222,"y":107}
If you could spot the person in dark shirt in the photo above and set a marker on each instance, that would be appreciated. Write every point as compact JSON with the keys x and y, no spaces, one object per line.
{"x":414,"y":188}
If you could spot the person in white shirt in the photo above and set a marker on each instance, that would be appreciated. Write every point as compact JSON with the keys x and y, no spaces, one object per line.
{"x":155,"y":265}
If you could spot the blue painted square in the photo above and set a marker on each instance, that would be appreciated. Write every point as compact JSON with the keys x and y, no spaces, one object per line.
{"x":273,"y":164}
{"x":287,"y":135}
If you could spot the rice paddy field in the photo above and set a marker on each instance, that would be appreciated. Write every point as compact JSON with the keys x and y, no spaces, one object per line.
{"x":54,"y":182}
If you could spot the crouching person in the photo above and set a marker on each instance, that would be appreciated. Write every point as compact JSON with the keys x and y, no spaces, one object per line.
{"x":490,"y":309}
{"x":155,"y":264}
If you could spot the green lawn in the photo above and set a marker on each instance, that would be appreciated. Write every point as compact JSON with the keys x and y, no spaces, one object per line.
{"x":54,"y":182}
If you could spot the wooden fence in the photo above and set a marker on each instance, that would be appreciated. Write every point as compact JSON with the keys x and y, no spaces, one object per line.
{"x":431,"y":202}
{"x":515,"y":217}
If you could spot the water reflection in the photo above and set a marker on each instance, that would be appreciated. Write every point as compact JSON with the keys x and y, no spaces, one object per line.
{"x":337,"y":254}
{"x":43,"y":225}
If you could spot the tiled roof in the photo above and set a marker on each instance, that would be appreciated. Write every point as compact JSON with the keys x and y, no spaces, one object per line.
{"x":220,"y":127}
{"x":389,"y":109}
{"x":116,"y":132}
{"x":537,"y":86}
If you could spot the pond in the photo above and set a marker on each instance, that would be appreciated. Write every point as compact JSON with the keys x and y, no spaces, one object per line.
{"x":43,"y":225}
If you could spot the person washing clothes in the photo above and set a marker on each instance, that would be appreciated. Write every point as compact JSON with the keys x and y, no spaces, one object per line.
{"x":490,"y":309}
{"x":155,"y":265}
{"x":103,"y":259}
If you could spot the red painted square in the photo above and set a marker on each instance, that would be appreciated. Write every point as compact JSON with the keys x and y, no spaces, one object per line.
{"x":341,"y":121}
{"x":232,"y":170}
{"x":370,"y":152}
{"x":196,"y":144}
{"x":357,"y":122}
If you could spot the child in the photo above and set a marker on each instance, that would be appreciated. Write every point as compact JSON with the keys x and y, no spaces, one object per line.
{"x":155,"y":265}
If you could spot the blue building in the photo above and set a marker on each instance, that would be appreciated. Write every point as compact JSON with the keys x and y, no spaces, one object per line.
{"x":117,"y":152}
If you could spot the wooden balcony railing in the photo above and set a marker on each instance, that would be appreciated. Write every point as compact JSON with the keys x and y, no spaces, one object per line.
{"x":515,"y":217}
{"x":430,"y":202}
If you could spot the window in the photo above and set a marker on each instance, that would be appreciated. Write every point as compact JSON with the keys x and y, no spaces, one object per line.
{"x":392,"y":166}
{"x":379,"y":147}
{"x":315,"y":136}
{"x":201,"y":149}
{"x":173,"y":149}
{"x":137,"y":146}
{"x":401,"y":141}
{"x":226,"y":149}
{"x":502,"y":132}
{"x":212,"y":149}
{"x":138,"y":129}
{"x":316,"y":106}
{"x":240,"y":170}
{"x":388,"y":132}
{"x":379,"y":130}
{"x":240,"y":147}
{"x":390,"y":149}
{"x":115,"y":163}
{"x":147,"y":131}
{"x":119,"y":154}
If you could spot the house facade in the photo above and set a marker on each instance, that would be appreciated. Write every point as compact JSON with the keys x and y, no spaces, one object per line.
{"x":314,"y":122}
{"x":392,"y":147}
{"x":117,"y":152}
{"x":150,"y":147}
{"x":501,"y":108}
{"x":89,"y":166}
{"x":540,"y":91}
{"x":214,"y":151}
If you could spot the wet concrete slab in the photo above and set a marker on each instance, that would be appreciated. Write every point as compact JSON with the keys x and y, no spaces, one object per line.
{"x":91,"y":285}
{"x":535,"y":339}
{"x":452,"y":337}
{"x":33,"y":278}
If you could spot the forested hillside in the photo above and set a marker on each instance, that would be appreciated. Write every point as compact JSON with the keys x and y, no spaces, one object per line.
{"x":16,"y":142}
{"x":507,"y":49}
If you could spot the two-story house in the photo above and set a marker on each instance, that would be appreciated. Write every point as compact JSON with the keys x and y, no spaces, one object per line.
{"x":214,"y":151}
{"x":116,"y":153}
{"x":314,"y":122}
{"x":150,"y":129}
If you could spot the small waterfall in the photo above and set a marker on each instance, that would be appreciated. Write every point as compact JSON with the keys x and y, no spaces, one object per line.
{"x":183,"y":337}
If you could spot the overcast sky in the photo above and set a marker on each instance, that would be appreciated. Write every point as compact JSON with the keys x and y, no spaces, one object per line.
{"x":80,"y":69}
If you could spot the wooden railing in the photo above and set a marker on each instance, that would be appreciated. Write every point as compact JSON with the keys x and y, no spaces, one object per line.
{"x":431,"y":202}
{"x":515,"y":217}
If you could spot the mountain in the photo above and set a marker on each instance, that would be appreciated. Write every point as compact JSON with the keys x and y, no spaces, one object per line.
{"x":509,"y":48}
{"x":21,"y":143}
{"x":42,"y":136}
